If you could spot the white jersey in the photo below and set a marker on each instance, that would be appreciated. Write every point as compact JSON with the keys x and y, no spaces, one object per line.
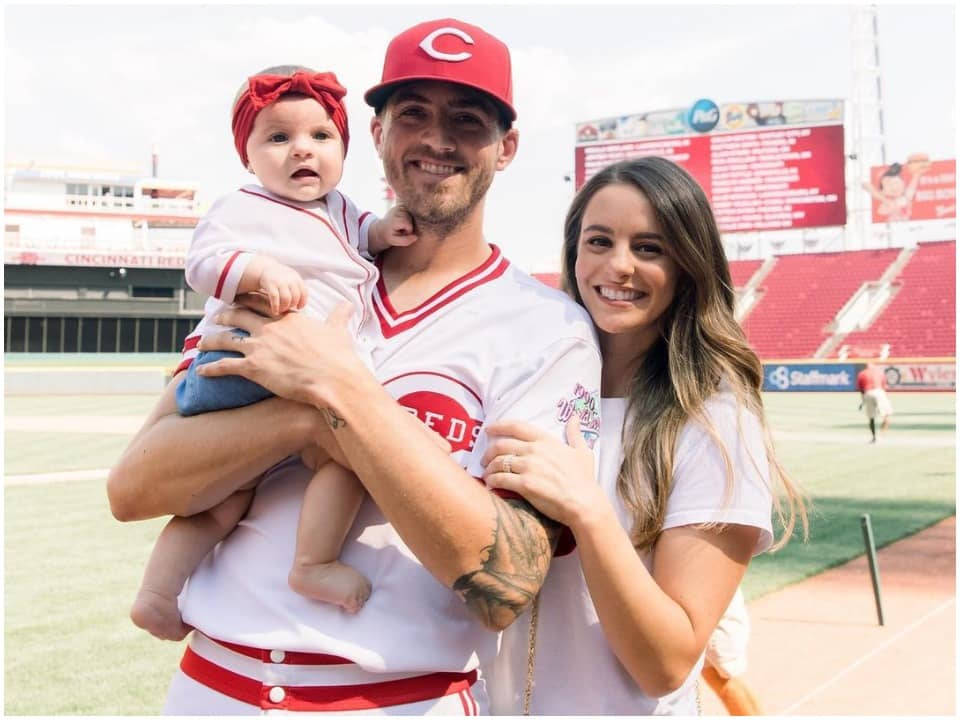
{"x":575,"y":671}
{"x":323,"y":240}
{"x":495,"y":343}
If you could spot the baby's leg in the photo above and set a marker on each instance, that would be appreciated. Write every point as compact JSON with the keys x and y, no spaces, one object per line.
{"x":330,"y":505}
{"x":182,"y":545}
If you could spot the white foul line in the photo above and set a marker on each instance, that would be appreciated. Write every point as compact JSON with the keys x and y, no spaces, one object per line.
{"x":43,"y":478}
{"x":853,"y":666}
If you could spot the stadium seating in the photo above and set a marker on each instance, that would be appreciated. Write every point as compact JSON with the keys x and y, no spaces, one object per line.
{"x":802,"y":294}
{"x":920,"y":321}
{"x":742,"y":270}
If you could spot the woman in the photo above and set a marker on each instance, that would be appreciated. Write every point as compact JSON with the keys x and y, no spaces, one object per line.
{"x":687,"y":468}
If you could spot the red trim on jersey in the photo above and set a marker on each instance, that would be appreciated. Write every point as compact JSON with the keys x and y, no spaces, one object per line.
{"x":445,"y":377}
{"x":351,"y":253}
{"x":393,"y":323}
{"x":328,"y":698}
{"x":362,"y":218}
{"x":224,"y":273}
{"x":290,"y":658}
{"x":343,"y":212}
{"x":298,"y":209}
{"x":190,"y":343}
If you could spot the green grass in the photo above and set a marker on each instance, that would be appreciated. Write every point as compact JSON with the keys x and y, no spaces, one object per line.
{"x":24,"y":452}
{"x":71,"y":570}
{"x":906,"y":482}
{"x":33,"y":452}
{"x":78,"y":405}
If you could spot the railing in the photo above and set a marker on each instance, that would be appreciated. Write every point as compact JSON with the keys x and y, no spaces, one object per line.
{"x":103,"y":203}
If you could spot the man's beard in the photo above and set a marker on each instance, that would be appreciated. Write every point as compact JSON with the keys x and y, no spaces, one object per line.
{"x":441,"y":212}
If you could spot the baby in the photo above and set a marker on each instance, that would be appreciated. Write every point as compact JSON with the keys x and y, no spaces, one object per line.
{"x":299,"y":242}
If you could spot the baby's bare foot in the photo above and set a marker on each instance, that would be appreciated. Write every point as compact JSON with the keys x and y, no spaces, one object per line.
{"x":158,"y":615}
{"x":331,"y":582}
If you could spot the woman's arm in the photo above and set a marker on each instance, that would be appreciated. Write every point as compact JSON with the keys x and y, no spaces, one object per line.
{"x":182,"y":465}
{"x":658,"y":623}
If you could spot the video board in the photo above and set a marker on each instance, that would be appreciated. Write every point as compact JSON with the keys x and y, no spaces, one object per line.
{"x":764,"y":166}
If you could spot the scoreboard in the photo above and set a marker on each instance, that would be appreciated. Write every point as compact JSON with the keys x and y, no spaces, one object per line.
{"x":764,"y":166}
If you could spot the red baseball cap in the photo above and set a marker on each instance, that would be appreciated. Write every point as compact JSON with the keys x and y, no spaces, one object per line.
{"x":450,"y":51}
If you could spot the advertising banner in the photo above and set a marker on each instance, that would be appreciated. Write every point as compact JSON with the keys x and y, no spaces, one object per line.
{"x":919,"y":189}
{"x":842,"y":377}
{"x":921,"y":376}
{"x":759,"y":165}
{"x":94,"y":259}
{"x":831,"y":377}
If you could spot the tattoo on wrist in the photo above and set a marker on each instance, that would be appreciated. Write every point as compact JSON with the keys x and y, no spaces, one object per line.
{"x":514,"y":565}
{"x":333,"y":420}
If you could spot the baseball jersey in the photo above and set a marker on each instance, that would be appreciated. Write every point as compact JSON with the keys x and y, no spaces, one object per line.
{"x":871,"y":379}
{"x":576,"y":671}
{"x":492,"y":344}
{"x":323,"y":240}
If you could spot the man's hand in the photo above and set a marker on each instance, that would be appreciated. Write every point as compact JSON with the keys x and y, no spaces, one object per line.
{"x":295,"y":357}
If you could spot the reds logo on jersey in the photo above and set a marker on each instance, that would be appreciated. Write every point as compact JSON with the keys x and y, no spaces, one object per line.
{"x":443,"y":403}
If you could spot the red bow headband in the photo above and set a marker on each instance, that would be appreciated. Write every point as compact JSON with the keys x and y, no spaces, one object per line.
{"x":264,"y":90}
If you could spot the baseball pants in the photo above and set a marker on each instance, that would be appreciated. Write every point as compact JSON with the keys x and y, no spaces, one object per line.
{"x":219,"y":678}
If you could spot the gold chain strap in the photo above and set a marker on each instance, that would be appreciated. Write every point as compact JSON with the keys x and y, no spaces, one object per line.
{"x":531,"y":655}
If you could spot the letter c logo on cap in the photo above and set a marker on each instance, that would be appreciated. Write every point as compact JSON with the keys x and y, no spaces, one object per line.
{"x":429,"y":49}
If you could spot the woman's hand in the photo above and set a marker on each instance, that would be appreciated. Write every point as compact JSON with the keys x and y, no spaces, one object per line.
{"x":556,"y":479}
{"x":295,"y":357}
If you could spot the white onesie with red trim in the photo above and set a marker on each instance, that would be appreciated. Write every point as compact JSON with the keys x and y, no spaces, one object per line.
{"x":323,"y":240}
{"x":493,"y":344}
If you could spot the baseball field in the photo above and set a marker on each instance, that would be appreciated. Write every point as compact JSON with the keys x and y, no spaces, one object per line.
{"x":71,"y":570}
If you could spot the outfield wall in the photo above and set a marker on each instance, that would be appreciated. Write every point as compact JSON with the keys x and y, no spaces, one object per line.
{"x":105,"y":374}
{"x":913,"y":374}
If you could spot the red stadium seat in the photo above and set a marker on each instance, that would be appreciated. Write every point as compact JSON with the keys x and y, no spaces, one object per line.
{"x":920,"y":321}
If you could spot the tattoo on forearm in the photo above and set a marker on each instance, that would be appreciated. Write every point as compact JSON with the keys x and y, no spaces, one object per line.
{"x":514,"y":563}
{"x":333,"y":420}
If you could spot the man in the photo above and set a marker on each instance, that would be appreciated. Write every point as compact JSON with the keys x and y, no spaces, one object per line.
{"x":872,"y":384}
{"x":460,"y":338}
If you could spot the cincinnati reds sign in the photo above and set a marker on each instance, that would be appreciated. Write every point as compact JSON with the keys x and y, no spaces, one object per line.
{"x":427,"y":44}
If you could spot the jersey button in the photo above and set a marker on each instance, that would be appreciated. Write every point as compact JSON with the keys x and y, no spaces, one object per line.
{"x":277,"y":656}
{"x":277,"y":694}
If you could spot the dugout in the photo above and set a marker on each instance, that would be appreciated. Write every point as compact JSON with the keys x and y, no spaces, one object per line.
{"x":54,"y":309}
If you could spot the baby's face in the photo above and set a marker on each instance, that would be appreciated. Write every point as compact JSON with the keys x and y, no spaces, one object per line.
{"x":295,"y":149}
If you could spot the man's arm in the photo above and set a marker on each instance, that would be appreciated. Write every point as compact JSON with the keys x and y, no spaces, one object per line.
{"x":495,"y":553}
{"x":182,"y":465}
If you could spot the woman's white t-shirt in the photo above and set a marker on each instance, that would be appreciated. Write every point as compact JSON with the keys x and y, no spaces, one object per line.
{"x":576,"y":673}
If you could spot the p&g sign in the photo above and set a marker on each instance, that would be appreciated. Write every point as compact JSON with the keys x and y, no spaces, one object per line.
{"x":703,"y":116}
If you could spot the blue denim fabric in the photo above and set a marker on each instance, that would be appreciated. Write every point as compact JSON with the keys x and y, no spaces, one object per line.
{"x":198,"y":394}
